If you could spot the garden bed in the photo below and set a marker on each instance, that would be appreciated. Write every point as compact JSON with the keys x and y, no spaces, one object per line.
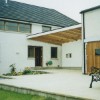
{"x":26,"y":72}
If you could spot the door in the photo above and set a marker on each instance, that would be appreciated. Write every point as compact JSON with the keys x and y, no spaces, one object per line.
{"x":92,"y":58}
{"x":38,"y":56}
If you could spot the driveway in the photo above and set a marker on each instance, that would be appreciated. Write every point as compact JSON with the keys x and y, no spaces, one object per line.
{"x":60,"y":81}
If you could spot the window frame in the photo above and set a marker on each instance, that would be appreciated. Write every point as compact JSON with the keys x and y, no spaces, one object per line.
{"x":54,"y":56}
{"x":17,"y":27}
{"x":11,"y":26}
{"x":24,"y":27}
{"x":29,"y":54}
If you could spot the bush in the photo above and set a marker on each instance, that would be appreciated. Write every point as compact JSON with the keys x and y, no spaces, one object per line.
{"x":13,"y":69}
{"x":19,"y":73}
{"x":27,"y":71}
{"x":8,"y":74}
{"x":49,"y":63}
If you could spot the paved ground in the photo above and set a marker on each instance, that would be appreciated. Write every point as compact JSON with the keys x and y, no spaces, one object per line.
{"x":67,"y":82}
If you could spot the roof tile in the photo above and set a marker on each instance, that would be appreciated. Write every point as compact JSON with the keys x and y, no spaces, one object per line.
{"x":35,"y":14}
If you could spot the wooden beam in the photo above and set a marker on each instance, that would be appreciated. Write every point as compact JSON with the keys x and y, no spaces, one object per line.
{"x":62,"y":39}
{"x":49,"y":40}
{"x":66,"y":35}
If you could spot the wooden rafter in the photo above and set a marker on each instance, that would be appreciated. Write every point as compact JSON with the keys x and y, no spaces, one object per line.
{"x":48,"y":40}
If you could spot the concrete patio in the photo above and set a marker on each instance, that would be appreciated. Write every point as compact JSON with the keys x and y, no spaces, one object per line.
{"x":60,"y":81}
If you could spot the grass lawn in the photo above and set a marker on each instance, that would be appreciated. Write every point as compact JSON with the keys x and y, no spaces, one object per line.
{"x":8,"y":95}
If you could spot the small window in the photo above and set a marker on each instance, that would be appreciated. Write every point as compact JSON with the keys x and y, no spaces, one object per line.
{"x":69,"y":55}
{"x":53,"y":52}
{"x":2,"y":25}
{"x":46,"y":28}
{"x":25,"y":28}
{"x":31,"y":51}
{"x":97,"y":52}
{"x":11,"y":26}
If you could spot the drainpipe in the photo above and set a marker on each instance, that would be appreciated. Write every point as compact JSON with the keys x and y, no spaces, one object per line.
{"x":84,"y":53}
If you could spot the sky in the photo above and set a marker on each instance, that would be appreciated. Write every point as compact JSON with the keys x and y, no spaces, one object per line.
{"x":70,"y":8}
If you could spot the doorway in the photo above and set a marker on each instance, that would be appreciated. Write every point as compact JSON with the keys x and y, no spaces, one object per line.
{"x":38,"y":56}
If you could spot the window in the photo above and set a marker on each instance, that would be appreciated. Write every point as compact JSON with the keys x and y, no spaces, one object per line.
{"x":53,"y":52}
{"x":25,"y":28}
{"x":69,"y":55}
{"x":46,"y":28}
{"x":31,"y":51}
{"x":97,"y":52}
{"x":15,"y":26}
{"x":2,"y":25}
{"x":11,"y":26}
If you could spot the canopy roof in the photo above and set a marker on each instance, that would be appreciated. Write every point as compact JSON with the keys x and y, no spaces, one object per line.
{"x":59,"y":36}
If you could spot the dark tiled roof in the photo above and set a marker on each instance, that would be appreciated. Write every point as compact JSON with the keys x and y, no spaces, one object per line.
{"x":90,"y":9}
{"x":30,"y":13}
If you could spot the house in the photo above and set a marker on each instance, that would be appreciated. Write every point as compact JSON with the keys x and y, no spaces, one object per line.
{"x":91,"y":38}
{"x":30,"y":36}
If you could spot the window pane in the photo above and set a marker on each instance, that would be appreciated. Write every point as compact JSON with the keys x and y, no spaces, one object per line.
{"x":53,"y":52}
{"x":30,"y":51}
{"x":1,"y":25}
{"x":25,"y":28}
{"x":11,"y":26}
{"x":46,"y":28}
{"x":21,"y":25}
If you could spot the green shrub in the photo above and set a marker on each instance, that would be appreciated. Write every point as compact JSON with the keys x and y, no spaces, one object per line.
{"x":20,"y":73}
{"x":13,"y":69}
{"x":8,"y":74}
{"x":27,"y":71}
{"x":49,"y":63}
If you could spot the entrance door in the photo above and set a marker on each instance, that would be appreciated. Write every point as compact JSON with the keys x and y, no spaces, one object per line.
{"x":92,"y":58}
{"x":38,"y":56}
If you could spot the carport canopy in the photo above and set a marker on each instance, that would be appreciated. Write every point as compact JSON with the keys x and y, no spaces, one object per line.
{"x":59,"y":36}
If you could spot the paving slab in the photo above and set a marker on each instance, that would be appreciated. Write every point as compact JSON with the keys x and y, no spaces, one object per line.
{"x":62,"y":81}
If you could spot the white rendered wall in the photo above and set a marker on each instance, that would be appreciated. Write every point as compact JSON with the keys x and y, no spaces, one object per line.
{"x":92,"y":25}
{"x":75,"y":48}
{"x":14,"y":50}
{"x":36,"y":28}
{"x":92,"y":28}
{"x":47,"y":52}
